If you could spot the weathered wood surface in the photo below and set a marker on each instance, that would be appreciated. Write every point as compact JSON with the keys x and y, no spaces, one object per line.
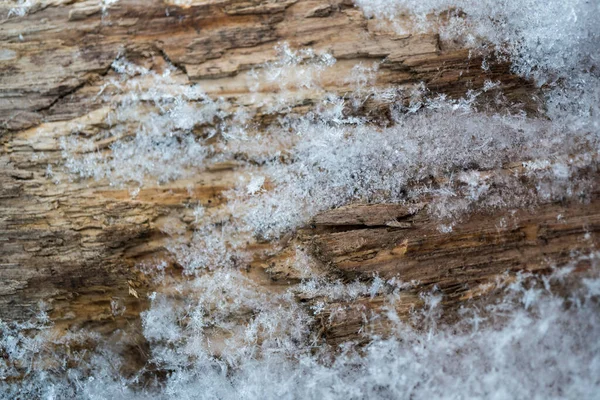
{"x":75,"y":243}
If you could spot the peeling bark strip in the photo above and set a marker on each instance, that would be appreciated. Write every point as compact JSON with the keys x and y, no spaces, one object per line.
{"x":74,"y":244}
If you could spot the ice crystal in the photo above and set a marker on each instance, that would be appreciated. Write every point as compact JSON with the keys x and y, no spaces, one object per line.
{"x":217,"y":333}
{"x":555,"y":43}
{"x":163,"y":146}
{"x":531,"y":344}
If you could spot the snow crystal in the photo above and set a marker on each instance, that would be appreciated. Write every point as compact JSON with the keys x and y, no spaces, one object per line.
{"x":218,"y":334}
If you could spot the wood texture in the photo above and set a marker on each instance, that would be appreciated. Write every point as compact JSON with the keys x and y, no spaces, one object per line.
{"x":75,"y":243}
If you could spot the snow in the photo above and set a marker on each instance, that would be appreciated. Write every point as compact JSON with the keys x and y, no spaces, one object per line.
{"x":531,"y":343}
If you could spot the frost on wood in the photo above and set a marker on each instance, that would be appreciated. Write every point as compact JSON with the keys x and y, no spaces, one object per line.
{"x":20,"y":8}
{"x":532,"y":343}
{"x":552,"y":42}
{"x":213,"y":331}
{"x":162,"y":146}
{"x":331,"y":158}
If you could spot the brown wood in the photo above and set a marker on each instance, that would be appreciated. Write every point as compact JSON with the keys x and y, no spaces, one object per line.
{"x":75,"y":243}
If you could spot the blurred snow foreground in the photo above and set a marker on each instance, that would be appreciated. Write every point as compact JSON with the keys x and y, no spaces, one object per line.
{"x":532,"y":342}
